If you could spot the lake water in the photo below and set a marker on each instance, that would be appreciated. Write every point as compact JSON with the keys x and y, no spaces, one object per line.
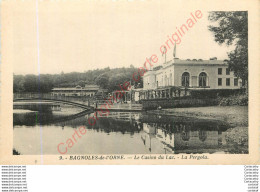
{"x":119,"y":133}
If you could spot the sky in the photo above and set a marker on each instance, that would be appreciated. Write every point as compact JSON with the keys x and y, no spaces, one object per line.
{"x":79,"y":36}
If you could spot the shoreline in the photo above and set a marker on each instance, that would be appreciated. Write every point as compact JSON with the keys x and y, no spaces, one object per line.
{"x":235,"y":116}
{"x":236,"y":137}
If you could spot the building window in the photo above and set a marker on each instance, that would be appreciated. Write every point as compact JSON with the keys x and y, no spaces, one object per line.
{"x":236,"y":82}
{"x":185,"y":79}
{"x":228,"y":82}
{"x":227,"y":71}
{"x":203,"y":79}
{"x":220,"y":71}
{"x":219,"y":81}
{"x":165,"y":80}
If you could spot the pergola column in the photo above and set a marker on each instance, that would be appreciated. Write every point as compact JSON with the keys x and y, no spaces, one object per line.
{"x":126,"y":97}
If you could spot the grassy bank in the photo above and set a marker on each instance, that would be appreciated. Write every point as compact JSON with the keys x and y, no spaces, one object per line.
{"x":234,"y":115}
{"x":236,"y":137}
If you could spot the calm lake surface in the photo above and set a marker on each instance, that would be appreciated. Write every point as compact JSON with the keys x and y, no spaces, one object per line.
{"x":119,"y":133}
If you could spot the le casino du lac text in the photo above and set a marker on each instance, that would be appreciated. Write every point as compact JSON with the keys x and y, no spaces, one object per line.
{"x":172,"y":157}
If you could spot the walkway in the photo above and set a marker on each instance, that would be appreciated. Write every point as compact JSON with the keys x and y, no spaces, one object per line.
{"x":56,"y":101}
{"x":125,"y":107}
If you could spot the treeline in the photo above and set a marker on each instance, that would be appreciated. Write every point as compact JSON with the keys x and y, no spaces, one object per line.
{"x":106,"y":78}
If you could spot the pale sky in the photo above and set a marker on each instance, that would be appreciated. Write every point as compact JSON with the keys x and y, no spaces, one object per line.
{"x":80,"y":36}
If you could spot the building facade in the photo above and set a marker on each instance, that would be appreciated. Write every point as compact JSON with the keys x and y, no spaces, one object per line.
{"x":193,"y":74}
{"x":87,"y":91}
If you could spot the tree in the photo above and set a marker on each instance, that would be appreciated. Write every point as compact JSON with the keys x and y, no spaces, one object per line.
{"x":106,"y":78}
{"x":231,"y":28}
{"x":81,"y":83}
{"x":102,"y":80}
{"x":18,"y":83}
{"x":31,"y":83}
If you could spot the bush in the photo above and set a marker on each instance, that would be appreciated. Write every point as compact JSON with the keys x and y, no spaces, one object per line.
{"x":241,"y":100}
{"x":215,"y":93}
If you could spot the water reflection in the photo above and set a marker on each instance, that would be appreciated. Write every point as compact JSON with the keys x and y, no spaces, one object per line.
{"x":124,"y":132}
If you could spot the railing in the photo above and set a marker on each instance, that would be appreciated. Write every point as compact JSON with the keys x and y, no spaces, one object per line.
{"x":75,"y":99}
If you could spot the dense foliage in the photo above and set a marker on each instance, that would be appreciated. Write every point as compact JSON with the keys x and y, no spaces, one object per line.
{"x":215,"y":93}
{"x":241,"y":100}
{"x":231,"y":28}
{"x":106,"y":78}
{"x":225,"y":97}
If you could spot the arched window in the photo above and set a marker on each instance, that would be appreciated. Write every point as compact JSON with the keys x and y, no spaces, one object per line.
{"x":185,"y":80}
{"x":202,"y":135}
{"x":185,"y":135}
{"x":202,"y":79}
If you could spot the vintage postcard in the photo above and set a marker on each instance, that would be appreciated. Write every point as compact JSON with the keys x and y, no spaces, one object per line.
{"x":130,"y":82}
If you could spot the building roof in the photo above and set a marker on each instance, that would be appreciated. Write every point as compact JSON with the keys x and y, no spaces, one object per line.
{"x":213,"y":61}
{"x":92,"y":86}
{"x":86,"y":88}
{"x":188,"y":62}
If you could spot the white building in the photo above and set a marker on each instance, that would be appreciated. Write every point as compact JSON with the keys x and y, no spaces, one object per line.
{"x":206,"y":74}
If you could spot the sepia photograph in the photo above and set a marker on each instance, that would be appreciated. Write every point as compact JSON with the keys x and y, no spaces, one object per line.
{"x":128,"y":81}
{"x":88,"y":88}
